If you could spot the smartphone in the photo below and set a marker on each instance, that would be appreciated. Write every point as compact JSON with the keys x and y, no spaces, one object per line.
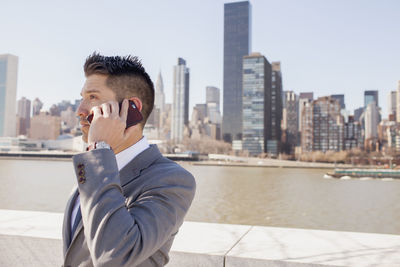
{"x":133,"y":118}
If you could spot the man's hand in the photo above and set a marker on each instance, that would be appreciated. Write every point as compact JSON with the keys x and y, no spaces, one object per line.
{"x":109,"y":125}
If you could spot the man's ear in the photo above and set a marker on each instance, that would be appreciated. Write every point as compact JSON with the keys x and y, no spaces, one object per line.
{"x":138,"y":102}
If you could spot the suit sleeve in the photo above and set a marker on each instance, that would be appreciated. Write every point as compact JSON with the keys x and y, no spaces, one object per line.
{"x":118,"y":235}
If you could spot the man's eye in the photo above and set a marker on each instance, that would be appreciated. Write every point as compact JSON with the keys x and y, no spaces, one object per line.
{"x":92,"y":97}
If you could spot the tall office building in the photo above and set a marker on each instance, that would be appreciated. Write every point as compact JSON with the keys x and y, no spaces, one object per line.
{"x":257,"y":118}
{"x":213,"y":103}
{"x":290,"y":119}
{"x":237,"y":43}
{"x":37,"y":106}
{"x":327,"y":125}
{"x":212,"y":95}
{"x":8,"y":94}
{"x":392,"y":107}
{"x":23,"y":116}
{"x":371,"y":120}
{"x":304,"y":98}
{"x":340,"y":98}
{"x":352,"y":134}
{"x":275,"y":110}
{"x":323,"y":126}
{"x":370,"y":96}
{"x":159,"y":100}
{"x":306,"y":119}
{"x":180,"y":105}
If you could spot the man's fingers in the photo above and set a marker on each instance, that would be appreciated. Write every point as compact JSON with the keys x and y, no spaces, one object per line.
{"x":106,"y":110}
{"x":96,"y":112}
{"x":114,"y":109}
{"x":124,"y":110}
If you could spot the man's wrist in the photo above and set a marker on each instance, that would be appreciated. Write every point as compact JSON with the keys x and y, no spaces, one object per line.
{"x":98,"y":145}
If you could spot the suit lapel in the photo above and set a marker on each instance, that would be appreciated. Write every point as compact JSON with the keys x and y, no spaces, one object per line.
{"x":67,"y":221}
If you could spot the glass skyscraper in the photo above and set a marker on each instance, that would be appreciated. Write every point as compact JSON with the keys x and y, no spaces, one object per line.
{"x":237,"y":43}
{"x":8,"y":94}
{"x":257,"y":87}
{"x":180,"y":105}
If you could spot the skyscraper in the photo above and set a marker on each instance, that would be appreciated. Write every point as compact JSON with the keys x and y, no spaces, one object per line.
{"x":24,"y":116}
{"x":212,"y":95}
{"x":274,"y":108}
{"x":212,"y":102}
{"x":257,"y":117}
{"x":371,"y":120}
{"x":290,"y":119}
{"x":159,"y":101}
{"x":392,"y":101}
{"x":180,"y":105}
{"x":370,"y":96}
{"x":323,"y":126}
{"x":304,"y":98}
{"x":237,"y":43}
{"x":352,"y":134}
{"x":8,"y":94}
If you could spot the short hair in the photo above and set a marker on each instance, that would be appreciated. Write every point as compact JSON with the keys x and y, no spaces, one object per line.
{"x":126,"y":77}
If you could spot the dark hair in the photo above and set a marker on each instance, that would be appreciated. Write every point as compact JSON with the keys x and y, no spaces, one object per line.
{"x":126,"y":77}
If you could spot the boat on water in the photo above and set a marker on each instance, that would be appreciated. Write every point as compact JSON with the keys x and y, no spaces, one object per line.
{"x":362,"y":173}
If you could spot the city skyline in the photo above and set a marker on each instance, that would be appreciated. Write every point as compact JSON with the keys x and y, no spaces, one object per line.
{"x":319,"y":50}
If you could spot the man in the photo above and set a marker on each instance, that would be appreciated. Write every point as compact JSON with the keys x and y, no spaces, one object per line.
{"x":130,"y":200}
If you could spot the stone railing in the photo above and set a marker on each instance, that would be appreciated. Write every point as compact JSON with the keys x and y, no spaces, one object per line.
{"x":34,"y":239}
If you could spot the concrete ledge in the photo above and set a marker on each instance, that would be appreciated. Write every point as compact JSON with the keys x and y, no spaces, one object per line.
{"x":273,"y":246}
{"x":30,"y":251}
{"x":34,"y":239}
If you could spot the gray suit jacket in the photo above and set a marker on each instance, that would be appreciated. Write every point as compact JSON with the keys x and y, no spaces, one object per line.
{"x":129,"y":218}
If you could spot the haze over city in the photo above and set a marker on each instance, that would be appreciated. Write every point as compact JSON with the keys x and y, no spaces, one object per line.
{"x":329,"y":47}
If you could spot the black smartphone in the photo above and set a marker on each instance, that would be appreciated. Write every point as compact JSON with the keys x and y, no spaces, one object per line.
{"x":134,"y":116}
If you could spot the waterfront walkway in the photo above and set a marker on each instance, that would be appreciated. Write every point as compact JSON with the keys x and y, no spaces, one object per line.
{"x":30,"y":238}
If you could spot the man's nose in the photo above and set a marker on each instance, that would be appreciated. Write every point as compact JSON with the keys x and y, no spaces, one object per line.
{"x":82,"y":110}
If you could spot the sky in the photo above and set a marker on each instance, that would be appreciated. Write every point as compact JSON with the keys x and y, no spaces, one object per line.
{"x":324,"y":46}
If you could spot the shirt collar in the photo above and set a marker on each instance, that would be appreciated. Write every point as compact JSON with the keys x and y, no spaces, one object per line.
{"x":128,"y":154}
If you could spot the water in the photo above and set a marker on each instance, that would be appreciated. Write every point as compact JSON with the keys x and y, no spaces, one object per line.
{"x":299,"y":198}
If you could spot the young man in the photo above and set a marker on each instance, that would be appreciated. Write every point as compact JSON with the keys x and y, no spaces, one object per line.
{"x":130,"y":200}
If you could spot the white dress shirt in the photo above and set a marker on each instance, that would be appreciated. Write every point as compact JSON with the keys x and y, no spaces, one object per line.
{"x":123,"y":158}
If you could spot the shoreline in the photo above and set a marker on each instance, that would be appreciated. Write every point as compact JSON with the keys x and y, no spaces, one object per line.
{"x":250,"y":162}
{"x":233,"y":162}
{"x":252,"y":165}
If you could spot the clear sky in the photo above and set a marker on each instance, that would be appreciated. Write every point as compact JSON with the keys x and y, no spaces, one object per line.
{"x":325,"y":46}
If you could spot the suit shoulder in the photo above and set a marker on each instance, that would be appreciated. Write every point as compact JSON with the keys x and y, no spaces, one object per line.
{"x":167,"y":170}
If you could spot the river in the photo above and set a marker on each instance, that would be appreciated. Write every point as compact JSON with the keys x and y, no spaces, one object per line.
{"x":283,"y":197}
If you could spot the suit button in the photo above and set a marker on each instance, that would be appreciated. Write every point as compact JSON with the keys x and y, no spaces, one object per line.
{"x":82,"y":179}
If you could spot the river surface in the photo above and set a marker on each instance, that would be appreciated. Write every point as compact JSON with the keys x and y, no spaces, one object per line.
{"x":283,"y":197}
